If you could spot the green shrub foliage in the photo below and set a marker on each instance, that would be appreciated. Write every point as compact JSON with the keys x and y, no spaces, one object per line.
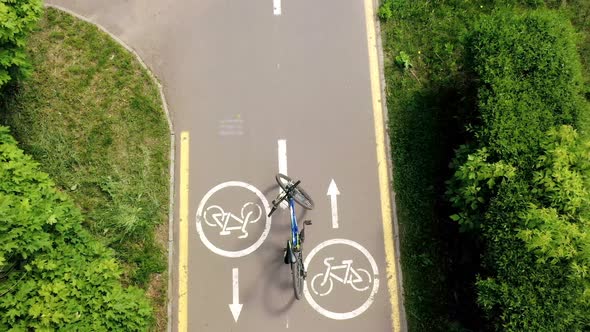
{"x":17,"y":19}
{"x":530,"y":80}
{"x":522,"y":186}
{"x":385,"y":11}
{"x":53,"y":274}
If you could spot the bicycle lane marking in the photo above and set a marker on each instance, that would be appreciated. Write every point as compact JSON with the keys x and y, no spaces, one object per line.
{"x":382,"y":164}
{"x":183,"y":233}
{"x":222,"y":219}
{"x":370,"y":299}
{"x":200,"y":215}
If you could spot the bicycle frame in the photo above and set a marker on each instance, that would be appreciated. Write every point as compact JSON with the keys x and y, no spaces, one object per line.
{"x":350,"y":275}
{"x":294,"y":244}
{"x":294,"y":226}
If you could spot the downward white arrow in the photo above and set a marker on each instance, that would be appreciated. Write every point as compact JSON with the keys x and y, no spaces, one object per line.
{"x":333,"y":193}
{"x":236,"y":307}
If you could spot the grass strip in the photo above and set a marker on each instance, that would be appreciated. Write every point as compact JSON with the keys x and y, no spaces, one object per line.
{"x":92,"y":116}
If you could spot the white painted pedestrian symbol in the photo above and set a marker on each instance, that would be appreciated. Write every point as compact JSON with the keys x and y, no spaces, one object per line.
{"x":215,"y":216}
{"x":323,"y":283}
{"x":346,"y":272}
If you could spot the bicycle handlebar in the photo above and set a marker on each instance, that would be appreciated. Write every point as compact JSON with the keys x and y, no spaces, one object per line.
{"x":285,"y":194}
{"x":290,"y":189}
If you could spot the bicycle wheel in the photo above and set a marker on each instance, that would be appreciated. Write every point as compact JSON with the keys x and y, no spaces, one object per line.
{"x":301,"y":196}
{"x":366,"y":282}
{"x":210,"y":212}
{"x":321,"y":289}
{"x":298,"y":272}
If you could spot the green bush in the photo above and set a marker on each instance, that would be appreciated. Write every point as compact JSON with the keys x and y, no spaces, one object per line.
{"x":536,"y":269}
{"x":474,"y":184}
{"x":385,"y":12}
{"x":530,"y":80}
{"x":523,"y":185}
{"x":17,"y":19}
{"x":536,"y":275}
{"x":53,"y":274}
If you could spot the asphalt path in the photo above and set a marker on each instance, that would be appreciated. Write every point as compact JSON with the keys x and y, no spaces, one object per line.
{"x":254,"y":88}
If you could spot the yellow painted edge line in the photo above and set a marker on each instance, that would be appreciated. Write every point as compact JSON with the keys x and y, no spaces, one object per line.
{"x":392,"y":278}
{"x":183,"y":234}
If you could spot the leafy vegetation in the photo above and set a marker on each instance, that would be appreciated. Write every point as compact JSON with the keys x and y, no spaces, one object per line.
{"x":525,"y":189}
{"x":429,"y":106}
{"x":92,"y":117}
{"x":17,"y":20}
{"x":529,"y":78}
{"x":537,"y":258}
{"x":53,"y":274}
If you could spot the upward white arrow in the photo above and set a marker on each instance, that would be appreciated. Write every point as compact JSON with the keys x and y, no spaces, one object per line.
{"x":333,"y":193}
{"x":235,"y":307}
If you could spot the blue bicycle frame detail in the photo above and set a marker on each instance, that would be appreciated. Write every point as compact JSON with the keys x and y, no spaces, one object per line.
{"x":294,"y":227}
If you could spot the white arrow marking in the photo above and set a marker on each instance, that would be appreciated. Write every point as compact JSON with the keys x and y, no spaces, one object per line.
{"x":333,"y":193}
{"x":276,"y":4}
{"x":236,"y":307}
{"x":283,"y":164}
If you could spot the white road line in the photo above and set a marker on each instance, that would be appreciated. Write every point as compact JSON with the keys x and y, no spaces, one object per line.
{"x":283,"y":156}
{"x":282,"y":145}
{"x":276,"y":4}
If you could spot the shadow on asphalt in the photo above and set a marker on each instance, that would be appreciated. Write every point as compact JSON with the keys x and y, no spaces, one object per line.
{"x":274,"y":280}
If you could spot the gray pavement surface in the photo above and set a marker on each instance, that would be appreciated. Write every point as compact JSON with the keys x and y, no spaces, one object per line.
{"x":238,"y":79}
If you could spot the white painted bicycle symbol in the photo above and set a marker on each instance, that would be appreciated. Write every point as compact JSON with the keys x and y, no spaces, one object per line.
{"x":250,"y":214}
{"x":358,"y":279}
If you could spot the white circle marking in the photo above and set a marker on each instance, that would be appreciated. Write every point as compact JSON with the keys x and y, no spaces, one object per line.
{"x":227,"y":253}
{"x":364,"y":306}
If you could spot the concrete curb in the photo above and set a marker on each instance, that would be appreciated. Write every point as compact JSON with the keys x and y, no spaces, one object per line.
{"x":403,"y":320}
{"x":172,"y":147}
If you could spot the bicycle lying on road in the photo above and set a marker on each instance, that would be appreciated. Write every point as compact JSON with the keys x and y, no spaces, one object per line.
{"x":292,"y":192}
